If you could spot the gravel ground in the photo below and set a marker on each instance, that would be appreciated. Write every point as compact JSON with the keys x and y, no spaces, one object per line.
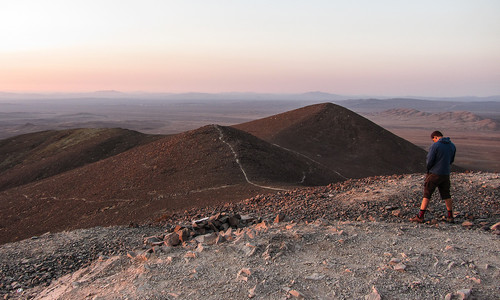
{"x":393,"y":198}
{"x":40,"y":260}
{"x":337,"y":242}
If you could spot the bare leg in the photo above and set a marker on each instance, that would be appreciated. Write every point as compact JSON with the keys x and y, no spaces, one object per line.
{"x":425,"y":202}
{"x":420,"y":217}
{"x":449,"y":204}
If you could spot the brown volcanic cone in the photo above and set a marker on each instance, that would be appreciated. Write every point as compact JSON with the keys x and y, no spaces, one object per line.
{"x":210,"y":165}
{"x":34,"y":156}
{"x":341,"y":140}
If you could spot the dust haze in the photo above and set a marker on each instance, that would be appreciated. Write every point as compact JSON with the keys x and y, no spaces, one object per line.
{"x":472,"y":123}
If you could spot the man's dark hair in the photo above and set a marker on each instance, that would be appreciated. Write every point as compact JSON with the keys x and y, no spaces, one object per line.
{"x":436,"y":133}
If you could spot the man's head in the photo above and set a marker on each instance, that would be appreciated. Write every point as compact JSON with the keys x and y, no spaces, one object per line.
{"x":436,"y":135}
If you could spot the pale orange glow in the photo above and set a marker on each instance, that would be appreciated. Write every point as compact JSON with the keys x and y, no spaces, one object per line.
{"x":422,"y":48}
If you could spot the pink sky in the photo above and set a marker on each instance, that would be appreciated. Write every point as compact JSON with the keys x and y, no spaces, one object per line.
{"x":450,"y":48}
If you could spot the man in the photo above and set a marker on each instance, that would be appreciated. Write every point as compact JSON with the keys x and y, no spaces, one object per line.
{"x":439,"y":159}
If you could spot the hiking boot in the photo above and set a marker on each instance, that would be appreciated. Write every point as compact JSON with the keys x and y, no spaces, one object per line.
{"x":450,"y":220}
{"x":416,"y":219}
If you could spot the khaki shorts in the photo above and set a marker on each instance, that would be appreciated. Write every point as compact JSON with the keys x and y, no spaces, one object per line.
{"x":433,"y":181}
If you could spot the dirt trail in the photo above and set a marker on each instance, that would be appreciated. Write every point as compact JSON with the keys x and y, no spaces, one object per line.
{"x":221,"y":137}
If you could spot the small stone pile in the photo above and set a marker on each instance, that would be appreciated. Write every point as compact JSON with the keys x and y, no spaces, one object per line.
{"x":211,"y":230}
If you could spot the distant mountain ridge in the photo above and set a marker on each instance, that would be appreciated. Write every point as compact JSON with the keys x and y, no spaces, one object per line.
{"x":312,"y":96}
{"x":460,"y":119}
{"x":476,"y":105}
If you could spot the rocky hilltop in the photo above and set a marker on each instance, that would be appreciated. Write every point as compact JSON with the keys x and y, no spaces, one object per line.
{"x":347,"y":240}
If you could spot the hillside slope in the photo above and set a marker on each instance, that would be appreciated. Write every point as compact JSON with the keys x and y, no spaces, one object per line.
{"x":35,"y":156}
{"x":341,"y":140}
{"x":209,"y":165}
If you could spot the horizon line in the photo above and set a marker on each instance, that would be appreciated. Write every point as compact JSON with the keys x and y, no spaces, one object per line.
{"x":110,"y":92}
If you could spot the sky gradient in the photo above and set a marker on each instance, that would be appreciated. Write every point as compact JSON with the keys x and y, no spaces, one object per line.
{"x":388,"y":48}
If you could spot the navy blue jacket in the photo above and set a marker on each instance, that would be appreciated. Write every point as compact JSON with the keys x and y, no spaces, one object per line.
{"x":440,"y":157}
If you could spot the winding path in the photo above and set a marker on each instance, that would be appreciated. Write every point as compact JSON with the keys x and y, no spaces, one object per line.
{"x":221,"y":137}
